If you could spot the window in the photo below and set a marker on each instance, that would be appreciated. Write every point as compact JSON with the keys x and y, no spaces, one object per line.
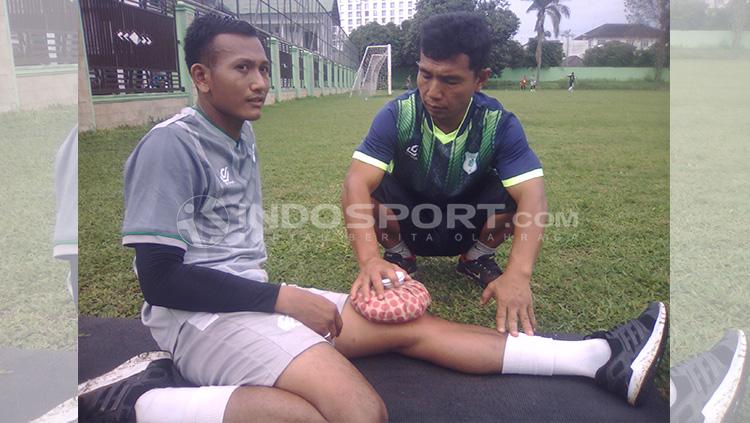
{"x":367,"y":13}
{"x":350,"y":21}
{"x":382,"y":5}
{"x":411,"y":3}
{"x":359,"y":21}
{"x":391,"y":18}
{"x":411,"y":11}
{"x":382,"y":20}
{"x":359,"y":6}
{"x":359,"y":14}
{"x":393,"y":4}
{"x":350,"y":14}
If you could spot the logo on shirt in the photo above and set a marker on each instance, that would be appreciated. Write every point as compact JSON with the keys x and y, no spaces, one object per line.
{"x":470,"y":162}
{"x":224,"y":176}
{"x":413,"y":151}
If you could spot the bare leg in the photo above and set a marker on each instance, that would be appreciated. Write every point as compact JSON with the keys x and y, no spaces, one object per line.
{"x":388,"y":232}
{"x":465,"y":348}
{"x":497,"y":229}
{"x":323,"y":379}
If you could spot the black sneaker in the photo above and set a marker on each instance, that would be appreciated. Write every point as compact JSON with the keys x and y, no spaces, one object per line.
{"x":409,"y":264}
{"x":709,"y":386}
{"x":483,"y":270}
{"x":637,"y":346}
{"x":112,"y":396}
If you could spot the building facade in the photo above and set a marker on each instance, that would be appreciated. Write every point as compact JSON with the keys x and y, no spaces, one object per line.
{"x":355,"y":13}
{"x":638,"y":35}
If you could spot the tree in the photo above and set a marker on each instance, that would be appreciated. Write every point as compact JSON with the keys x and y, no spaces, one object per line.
{"x":373,"y":34}
{"x":611,"y":54}
{"x":552,"y":54}
{"x":503,"y":26}
{"x":654,"y":13}
{"x":555,"y":11}
{"x":502,"y":22}
{"x":741,"y":18}
{"x":689,"y":14}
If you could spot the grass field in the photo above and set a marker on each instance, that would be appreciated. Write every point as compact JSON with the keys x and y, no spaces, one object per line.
{"x":710,"y":287}
{"x":606,"y":160}
{"x":35,"y":308}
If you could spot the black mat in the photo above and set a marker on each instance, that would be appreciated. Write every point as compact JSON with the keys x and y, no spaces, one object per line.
{"x":415,"y":391}
{"x":34,"y":381}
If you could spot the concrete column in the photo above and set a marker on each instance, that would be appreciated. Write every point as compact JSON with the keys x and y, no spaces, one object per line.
{"x":275,"y":69}
{"x":183,"y":17}
{"x":8,"y":89}
{"x":295,"y":70}
{"x":321,"y":79}
{"x":86,"y":116}
{"x":309,"y":84}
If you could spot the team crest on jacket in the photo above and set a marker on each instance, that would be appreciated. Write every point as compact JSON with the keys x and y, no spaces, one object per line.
{"x":470,"y":162}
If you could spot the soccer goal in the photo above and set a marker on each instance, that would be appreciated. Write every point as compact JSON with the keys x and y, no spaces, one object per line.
{"x":374,"y":73}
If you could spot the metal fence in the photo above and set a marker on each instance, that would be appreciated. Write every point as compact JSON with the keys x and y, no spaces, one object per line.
{"x":308,"y":24}
{"x":43,"y":32}
{"x":131,"y":46}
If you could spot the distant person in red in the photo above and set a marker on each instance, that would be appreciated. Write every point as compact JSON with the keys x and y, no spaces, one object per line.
{"x":523,"y":83}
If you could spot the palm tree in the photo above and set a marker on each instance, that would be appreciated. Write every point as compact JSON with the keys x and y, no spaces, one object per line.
{"x":555,"y":10}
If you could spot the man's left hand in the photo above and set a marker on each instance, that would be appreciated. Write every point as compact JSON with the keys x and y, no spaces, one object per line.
{"x":512,"y":293}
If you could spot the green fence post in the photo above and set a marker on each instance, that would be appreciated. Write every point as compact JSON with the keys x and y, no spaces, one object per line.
{"x":275,"y":68}
{"x":321,"y":63}
{"x":183,"y":16}
{"x":295,"y":70}
{"x":309,"y":84}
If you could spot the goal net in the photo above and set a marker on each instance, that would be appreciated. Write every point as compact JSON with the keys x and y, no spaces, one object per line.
{"x":374,"y":73}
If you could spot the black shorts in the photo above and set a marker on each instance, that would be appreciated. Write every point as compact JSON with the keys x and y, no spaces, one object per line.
{"x":445,"y":228}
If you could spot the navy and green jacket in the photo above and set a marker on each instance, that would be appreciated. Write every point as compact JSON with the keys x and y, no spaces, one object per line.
{"x":490,"y":140}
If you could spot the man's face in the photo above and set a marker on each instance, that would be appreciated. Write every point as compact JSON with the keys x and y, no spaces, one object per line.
{"x":237,"y":81}
{"x":446,"y":86}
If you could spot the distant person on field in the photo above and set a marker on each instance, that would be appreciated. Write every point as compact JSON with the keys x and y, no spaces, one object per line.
{"x":571,"y":82}
{"x":524,"y":82}
{"x":407,"y":84}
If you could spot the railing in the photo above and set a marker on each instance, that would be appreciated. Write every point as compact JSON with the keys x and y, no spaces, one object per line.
{"x":131,"y":46}
{"x":43,"y":32}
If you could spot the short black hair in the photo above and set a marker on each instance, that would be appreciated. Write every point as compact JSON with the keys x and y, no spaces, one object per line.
{"x":448,"y":34}
{"x":204,"y":29}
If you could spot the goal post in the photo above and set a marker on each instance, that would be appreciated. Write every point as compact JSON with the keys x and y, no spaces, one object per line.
{"x":375,"y":72}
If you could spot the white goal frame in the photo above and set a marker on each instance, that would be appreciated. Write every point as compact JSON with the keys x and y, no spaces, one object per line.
{"x":362,"y":73}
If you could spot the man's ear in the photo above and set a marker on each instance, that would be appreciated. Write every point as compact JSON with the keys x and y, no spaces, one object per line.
{"x":482,"y":77}
{"x":201,"y":75}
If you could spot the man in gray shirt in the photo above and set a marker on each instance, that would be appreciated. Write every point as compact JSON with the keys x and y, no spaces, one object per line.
{"x":271,"y":352}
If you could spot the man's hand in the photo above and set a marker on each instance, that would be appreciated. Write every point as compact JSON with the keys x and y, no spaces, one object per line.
{"x":512,"y":293}
{"x":314,"y":311}
{"x":371,"y":274}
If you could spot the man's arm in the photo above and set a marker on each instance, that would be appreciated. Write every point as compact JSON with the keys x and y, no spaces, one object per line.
{"x":361,"y":180}
{"x":167,"y":281}
{"x":512,"y":290}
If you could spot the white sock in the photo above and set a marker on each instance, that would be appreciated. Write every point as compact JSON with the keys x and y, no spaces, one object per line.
{"x":536,"y":355}
{"x":205,"y":404}
{"x":672,"y":393}
{"x":401,"y":249}
{"x":478,"y":250}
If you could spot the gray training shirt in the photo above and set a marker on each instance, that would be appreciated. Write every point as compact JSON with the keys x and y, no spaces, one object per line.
{"x":190,"y":185}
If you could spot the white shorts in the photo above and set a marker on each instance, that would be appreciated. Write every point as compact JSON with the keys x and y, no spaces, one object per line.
{"x":244,"y":348}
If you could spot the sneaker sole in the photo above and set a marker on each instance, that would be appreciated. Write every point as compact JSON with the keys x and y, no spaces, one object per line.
{"x":728,"y":391}
{"x":645,"y":362}
{"x":66,"y":412}
{"x":125,"y":370}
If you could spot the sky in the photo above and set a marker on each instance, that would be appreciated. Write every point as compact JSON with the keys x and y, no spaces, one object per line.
{"x":585,"y":15}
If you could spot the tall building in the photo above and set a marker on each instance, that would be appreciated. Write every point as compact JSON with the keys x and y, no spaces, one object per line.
{"x":355,"y":13}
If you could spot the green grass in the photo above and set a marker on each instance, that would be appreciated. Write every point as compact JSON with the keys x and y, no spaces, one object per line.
{"x":585,"y":84}
{"x":606,"y":159}
{"x":35,"y":308}
{"x":710,"y":183}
